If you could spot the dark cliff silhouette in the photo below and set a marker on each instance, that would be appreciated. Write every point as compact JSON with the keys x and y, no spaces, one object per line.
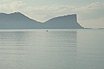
{"x":19,"y":21}
{"x":64,"y":22}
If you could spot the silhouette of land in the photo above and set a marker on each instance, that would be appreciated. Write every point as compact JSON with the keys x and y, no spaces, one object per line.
{"x":18,"y":20}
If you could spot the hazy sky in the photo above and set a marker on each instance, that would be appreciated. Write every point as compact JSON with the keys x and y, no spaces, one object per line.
{"x":90,"y":12}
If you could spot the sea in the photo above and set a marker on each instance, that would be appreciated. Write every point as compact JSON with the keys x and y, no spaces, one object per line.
{"x":52,"y":49}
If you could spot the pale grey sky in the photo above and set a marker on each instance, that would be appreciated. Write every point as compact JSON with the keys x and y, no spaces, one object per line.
{"x":90,"y":12}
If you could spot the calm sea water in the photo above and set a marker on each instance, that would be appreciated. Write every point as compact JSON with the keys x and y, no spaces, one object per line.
{"x":55,"y":49}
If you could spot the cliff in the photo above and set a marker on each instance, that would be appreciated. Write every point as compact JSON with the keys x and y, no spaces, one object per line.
{"x":18,"y":20}
{"x":64,"y":22}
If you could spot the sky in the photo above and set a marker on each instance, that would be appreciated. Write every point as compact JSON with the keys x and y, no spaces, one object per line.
{"x":90,"y":13}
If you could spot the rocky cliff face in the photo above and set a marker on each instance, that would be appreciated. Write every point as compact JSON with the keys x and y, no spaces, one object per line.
{"x":64,"y":22}
{"x":19,"y":21}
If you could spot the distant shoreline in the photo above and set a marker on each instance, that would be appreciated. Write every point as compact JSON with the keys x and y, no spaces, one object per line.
{"x":49,"y":29}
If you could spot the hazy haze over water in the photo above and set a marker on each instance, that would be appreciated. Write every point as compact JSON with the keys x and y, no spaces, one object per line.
{"x":55,"y":49}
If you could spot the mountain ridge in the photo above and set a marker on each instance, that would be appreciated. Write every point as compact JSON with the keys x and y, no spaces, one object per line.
{"x":18,"y":20}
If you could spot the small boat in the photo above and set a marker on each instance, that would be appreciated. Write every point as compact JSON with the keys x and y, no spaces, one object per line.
{"x":46,"y":30}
